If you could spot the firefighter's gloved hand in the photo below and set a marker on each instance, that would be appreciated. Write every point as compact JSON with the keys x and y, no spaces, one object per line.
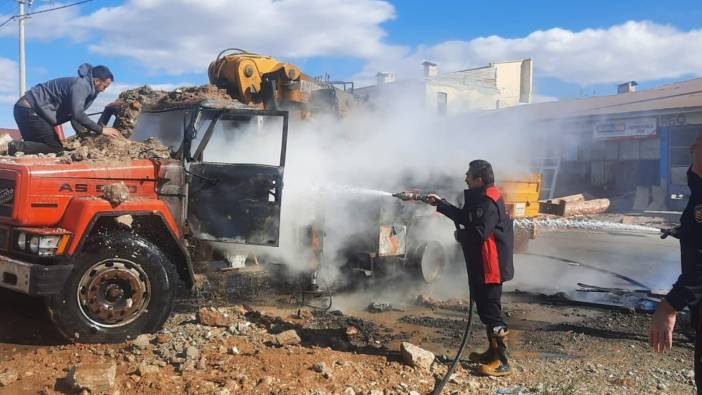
{"x":674,"y":232}
{"x":433,"y":199}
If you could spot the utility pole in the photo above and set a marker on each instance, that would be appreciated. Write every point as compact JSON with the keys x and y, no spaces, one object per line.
{"x":22,"y":74}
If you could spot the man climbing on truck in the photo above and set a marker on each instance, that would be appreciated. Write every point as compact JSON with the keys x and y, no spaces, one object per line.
{"x":55,"y":102}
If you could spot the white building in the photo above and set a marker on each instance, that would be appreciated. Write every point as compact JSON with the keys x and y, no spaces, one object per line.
{"x":497,"y":85}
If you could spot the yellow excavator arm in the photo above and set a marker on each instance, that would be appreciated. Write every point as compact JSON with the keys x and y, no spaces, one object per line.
{"x":263,"y":81}
{"x":254,"y":79}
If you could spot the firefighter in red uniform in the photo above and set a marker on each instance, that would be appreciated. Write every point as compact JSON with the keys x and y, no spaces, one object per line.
{"x":487,"y":237}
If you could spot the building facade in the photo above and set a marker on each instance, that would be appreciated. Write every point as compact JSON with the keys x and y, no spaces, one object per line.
{"x":632,"y":145}
{"x":495,"y":86}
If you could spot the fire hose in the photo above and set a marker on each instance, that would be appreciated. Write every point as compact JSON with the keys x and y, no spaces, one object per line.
{"x":405,"y":196}
{"x":466,"y":334}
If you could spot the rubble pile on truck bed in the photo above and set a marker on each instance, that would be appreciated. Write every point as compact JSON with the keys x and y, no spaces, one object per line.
{"x":104,"y":148}
{"x":134,"y":101}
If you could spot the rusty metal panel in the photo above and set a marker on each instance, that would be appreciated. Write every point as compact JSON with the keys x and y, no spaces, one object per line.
{"x":392,"y":240}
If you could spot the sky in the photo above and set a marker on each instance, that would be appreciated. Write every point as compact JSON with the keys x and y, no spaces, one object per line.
{"x":579,"y":48}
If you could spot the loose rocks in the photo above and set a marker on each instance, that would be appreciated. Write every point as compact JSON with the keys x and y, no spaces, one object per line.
{"x":94,"y":378}
{"x":286,"y":338}
{"x":8,"y":378}
{"x":212,"y":317}
{"x":416,"y":356}
{"x":142,"y":342}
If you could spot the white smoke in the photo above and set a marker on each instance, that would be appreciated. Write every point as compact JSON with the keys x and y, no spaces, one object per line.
{"x":342,"y":169}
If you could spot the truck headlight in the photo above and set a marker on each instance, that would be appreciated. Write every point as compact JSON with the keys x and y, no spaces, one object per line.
{"x":50,"y":244}
{"x":22,"y":241}
{"x":34,"y":244}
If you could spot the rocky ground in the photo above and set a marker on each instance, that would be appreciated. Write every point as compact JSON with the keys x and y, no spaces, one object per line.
{"x":275,"y":347}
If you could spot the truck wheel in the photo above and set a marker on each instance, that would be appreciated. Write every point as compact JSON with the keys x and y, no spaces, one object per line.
{"x":428,"y":261}
{"x":120,"y":287}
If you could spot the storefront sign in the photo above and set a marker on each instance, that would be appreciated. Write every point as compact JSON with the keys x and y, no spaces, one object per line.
{"x":673,"y":120}
{"x":625,"y":128}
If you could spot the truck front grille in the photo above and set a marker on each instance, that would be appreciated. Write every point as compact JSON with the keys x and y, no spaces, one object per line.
{"x":7,"y":197}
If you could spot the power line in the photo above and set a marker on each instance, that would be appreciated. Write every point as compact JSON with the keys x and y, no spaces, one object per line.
{"x":12,"y":18}
{"x":58,"y":8}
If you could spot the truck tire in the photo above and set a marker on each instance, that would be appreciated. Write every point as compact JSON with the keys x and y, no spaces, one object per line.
{"x":428,"y":260}
{"x":121,"y":286}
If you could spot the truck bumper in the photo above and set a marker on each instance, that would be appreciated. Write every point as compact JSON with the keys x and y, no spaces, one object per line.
{"x":32,"y":278}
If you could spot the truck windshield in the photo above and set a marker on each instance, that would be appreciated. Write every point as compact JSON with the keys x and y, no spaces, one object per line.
{"x":168,"y":127}
{"x":238,"y":139}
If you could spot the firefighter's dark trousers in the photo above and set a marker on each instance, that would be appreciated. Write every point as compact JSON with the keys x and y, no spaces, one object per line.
{"x":488,"y":302}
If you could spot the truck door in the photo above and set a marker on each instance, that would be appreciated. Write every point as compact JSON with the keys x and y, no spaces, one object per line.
{"x":235,"y":192}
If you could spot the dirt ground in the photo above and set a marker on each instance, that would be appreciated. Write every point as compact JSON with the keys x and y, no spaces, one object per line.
{"x":233,"y":349}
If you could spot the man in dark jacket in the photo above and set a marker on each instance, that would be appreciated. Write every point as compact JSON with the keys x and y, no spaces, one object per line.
{"x":687,"y":291}
{"x":55,"y":102}
{"x":487,"y":238}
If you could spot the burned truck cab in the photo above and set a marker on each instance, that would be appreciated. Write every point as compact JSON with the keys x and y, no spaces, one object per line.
{"x":108,"y":268}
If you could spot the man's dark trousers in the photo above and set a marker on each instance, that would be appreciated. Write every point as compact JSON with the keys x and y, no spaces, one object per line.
{"x":38,"y":135}
{"x":487,"y":299}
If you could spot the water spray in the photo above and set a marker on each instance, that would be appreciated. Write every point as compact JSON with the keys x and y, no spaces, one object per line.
{"x":558,"y":224}
{"x":335,"y":189}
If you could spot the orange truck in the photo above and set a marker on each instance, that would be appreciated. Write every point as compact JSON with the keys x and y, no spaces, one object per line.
{"x":109,"y":271}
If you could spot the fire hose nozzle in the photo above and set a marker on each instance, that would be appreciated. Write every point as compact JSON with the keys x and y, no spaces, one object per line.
{"x":407,"y":196}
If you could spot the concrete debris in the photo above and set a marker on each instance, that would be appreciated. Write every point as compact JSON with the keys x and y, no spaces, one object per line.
{"x":116,"y":193}
{"x":192,"y":353}
{"x":212,"y":317}
{"x":146,"y":368}
{"x":416,"y":356}
{"x":287,"y":338}
{"x":142,"y":341}
{"x":7,"y":378}
{"x":95,"y":378}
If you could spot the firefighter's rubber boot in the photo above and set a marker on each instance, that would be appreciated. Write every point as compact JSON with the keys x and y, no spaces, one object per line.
{"x":499,"y":365}
{"x":487,"y":355}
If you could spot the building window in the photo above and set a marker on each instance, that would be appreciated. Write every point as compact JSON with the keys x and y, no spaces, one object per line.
{"x":442,"y":102}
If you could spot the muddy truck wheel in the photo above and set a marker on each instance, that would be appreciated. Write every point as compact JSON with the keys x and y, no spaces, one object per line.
{"x":427,"y":261}
{"x":120,"y":287}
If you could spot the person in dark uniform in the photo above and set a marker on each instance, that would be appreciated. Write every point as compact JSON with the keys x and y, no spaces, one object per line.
{"x":55,"y":102}
{"x":487,"y":238}
{"x":687,"y":290}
